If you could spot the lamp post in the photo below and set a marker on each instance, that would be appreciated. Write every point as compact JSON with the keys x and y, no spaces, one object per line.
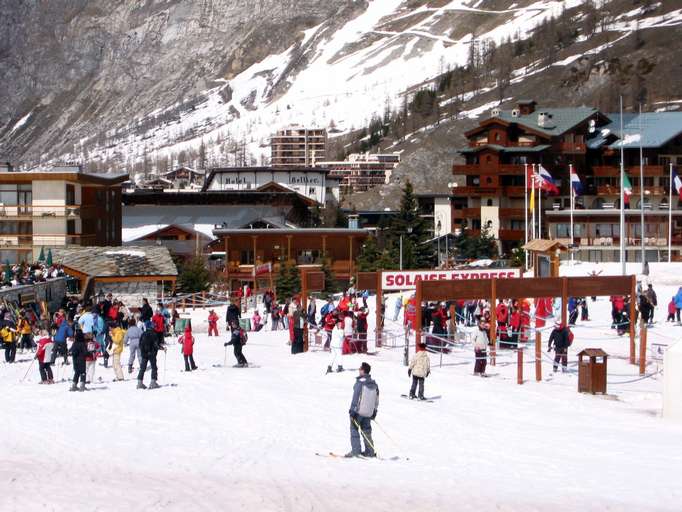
{"x":409,"y":232}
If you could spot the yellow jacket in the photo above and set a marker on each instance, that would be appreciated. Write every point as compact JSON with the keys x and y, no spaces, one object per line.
{"x":7,"y":335}
{"x":117,"y":335}
{"x":24,"y":327}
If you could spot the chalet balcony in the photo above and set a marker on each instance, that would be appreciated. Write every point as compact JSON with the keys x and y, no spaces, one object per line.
{"x":478,"y":170}
{"x":613,"y":171}
{"x":511,"y":234}
{"x":467,"y":169}
{"x":572,"y":147}
{"x":512,"y":213}
{"x":514,"y":191}
{"x":31,"y":211}
{"x":476,"y":191}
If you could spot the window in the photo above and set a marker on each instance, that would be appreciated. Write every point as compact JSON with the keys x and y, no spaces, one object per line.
{"x":16,"y":228}
{"x":246,"y":258}
{"x":70,"y":195}
{"x":71,"y":227}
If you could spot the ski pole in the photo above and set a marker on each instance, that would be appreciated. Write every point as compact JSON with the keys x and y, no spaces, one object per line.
{"x":165,"y":353}
{"x":29,"y":369}
{"x":365,"y":436}
{"x":225,"y":358}
{"x":389,"y":437}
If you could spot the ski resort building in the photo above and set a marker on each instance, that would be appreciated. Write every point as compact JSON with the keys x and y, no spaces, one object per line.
{"x":61,"y":206}
{"x":310,"y":182}
{"x":362,"y":171}
{"x":298,"y":147}
{"x":490,"y":185}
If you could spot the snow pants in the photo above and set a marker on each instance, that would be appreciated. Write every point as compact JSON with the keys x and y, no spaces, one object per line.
{"x":365,"y":425}
{"x":239,"y":356}
{"x":117,"y":366}
{"x":560,"y":357}
{"x":212,"y":329}
{"x":10,"y":352}
{"x":335,"y":357}
{"x":90,"y":370}
{"x":417,"y":381}
{"x":26,"y":341}
{"x":189,"y":362}
{"x":143,"y":367}
{"x":134,"y":346}
{"x":297,"y":345}
{"x":61,"y":350}
{"x":45,"y":371}
{"x":481,"y":361}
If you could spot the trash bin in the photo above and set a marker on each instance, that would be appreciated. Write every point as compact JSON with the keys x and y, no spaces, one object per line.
{"x":592,"y":371}
{"x":245,"y":324}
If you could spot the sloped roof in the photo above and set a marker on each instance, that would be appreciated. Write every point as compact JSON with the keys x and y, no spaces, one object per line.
{"x":507,"y":149}
{"x":540,"y":245}
{"x":654,"y":129}
{"x":129,"y":261}
{"x":563,"y":119}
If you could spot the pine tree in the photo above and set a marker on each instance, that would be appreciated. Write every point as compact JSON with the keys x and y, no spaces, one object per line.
{"x":330,"y":285}
{"x":288,"y":281}
{"x":417,"y":253}
{"x":369,"y":256}
{"x":194,"y":276}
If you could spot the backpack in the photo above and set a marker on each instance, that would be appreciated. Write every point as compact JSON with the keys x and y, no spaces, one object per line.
{"x":368,"y":401}
{"x":243,"y":337}
{"x":49,"y":351}
{"x":570,"y":337}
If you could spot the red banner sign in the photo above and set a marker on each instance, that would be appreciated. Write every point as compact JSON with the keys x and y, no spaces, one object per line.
{"x":406,"y":279}
{"x":259,"y":270}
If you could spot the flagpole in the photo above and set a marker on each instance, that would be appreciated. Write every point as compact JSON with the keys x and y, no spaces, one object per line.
{"x":641,"y":190}
{"x":670,"y":215}
{"x":525,"y":203}
{"x":532,"y":227}
{"x":572,"y":197}
{"x":622,"y":194}
{"x":539,"y":211}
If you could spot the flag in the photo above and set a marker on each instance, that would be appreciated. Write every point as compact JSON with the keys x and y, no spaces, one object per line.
{"x":677,"y":183}
{"x":575,"y":183}
{"x":627,"y":189}
{"x":531,"y":203}
{"x":546,"y":181}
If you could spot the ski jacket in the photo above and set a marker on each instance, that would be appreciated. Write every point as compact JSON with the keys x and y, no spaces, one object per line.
{"x":158,"y":322}
{"x":619,"y":302}
{"x":133,"y":334}
{"x":358,"y":405}
{"x":149,"y":344}
{"x":213,"y":318}
{"x":87,"y":322}
{"x":501,"y":312}
{"x":64,"y":331}
{"x":651,"y":296}
{"x":92,"y":348}
{"x":40,"y":352}
{"x":348,"y":326}
{"x":117,"y":337}
{"x":233,"y":314}
{"x":337,"y":338}
{"x":678,"y":299}
{"x":558,"y":338}
{"x":24,"y":327}
{"x":671,"y":307}
{"x":187,"y":343}
{"x":481,"y":340}
{"x":8,"y":336}
{"x":236,"y":337}
{"x":361,"y":323}
{"x":146,"y":312}
{"x":79,"y":352}
{"x":329,"y":322}
{"x":421,"y":364}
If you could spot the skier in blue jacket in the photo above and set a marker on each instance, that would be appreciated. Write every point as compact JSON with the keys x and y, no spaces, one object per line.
{"x":363,"y":409}
{"x":678,"y":304}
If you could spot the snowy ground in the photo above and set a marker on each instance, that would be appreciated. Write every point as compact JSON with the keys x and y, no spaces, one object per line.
{"x":245,"y":439}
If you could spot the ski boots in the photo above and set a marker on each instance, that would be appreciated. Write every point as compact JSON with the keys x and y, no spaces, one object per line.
{"x":82,"y":387}
{"x":329,"y":370}
{"x":140,"y":385}
{"x":339,"y":369}
{"x":73,"y":387}
{"x":153,"y":385}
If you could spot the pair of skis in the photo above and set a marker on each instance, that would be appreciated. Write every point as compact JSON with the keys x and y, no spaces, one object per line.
{"x":333,"y":455}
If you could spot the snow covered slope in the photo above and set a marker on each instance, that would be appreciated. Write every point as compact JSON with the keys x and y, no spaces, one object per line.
{"x":245,"y":439}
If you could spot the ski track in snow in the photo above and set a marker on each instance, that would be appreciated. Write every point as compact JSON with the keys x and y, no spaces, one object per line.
{"x":236,"y":439}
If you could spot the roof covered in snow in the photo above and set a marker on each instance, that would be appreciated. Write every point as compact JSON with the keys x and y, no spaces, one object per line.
{"x":130,"y":261}
{"x":650,"y":129}
{"x":559,"y":120}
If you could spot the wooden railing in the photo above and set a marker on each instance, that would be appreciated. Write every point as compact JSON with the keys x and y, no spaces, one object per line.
{"x":613,"y":171}
{"x":43,"y":210}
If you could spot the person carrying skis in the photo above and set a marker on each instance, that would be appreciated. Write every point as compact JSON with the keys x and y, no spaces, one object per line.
{"x":149,"y":347}
{"x":132,"y":340}
{"x":212,"y":323}
{"x":336,"y":347}
{"x":159,"y":326}
{"x":238,"y":340}
{"x":44,"y":357}
{"x":419,"y":369}
{"x":363,"y":409}
{"x":79,"y":353}
{"x":118,"y":335}
{"x":560,"y":338}
{"x":187,"y":341}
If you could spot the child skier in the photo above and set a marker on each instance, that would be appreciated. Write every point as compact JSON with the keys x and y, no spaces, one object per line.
{"x":671,"y":310}
{"x":117,"y":336}
{"x":212,"y":323}
{"x":238,"y":340}
{"x":93,"y":350}
{"x":132,"y":340}
{"x":420,"y":369}
{"x":44,"y":357}
{"x":187,"y":341}
{"x":79,"y":353}
{"x":336,"y":347}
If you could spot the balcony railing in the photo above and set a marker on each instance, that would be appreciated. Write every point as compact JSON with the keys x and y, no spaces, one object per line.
{"x":613,"y":171}
{"x":44,"y":239}
{"x":28,"y":210}
{"x":613,"y":190}
{"x":572,"y":147}
{"x":511,"y":234}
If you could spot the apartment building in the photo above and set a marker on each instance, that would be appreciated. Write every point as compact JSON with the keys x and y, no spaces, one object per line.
{"x":298,"y":147}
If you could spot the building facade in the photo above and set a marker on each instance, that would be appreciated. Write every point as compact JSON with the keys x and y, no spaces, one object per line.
{"x":298,"y":147}
{"x":490,"y":191}
{"x":57,"y":207}
{"x":362,"y":171}
{"x":310,"y":182}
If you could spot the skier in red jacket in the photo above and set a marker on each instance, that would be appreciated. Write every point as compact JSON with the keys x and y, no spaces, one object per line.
{"x":187,"y":341}
{"x":159,"y":325}
{"x":44,"y":357}
{"x":212,"y":323}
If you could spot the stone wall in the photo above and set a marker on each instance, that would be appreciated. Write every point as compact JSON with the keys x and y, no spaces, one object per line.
{"x":131,"y":294}
{"x":52,"y":291}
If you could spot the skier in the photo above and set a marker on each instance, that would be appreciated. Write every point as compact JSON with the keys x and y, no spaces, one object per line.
{"x":653,"y":300}
{"x":560,"y":338}
{"x":146,"y":313}
{"x":256,"y":321}
{"x":233,"y":314}
{"x":361,"y":326}
{"x":238,"y":340}
{"x":132,"y":340}
{"x":678,"y":304}
{"x":671,"y":310}
{"x":159,"y":325}
{"x":187,"y":341}
{"x":420,"y":369}
{"x":572,"y":310}
{"x":8,"y":335}
{"x":481,"y":343}
{"x":584,"y":313}
{"x":44,"y":357}
{"x":26,"y":333}
{"x":64,"y":332}
{"x":212,"y":323}
{"x":118,"y":335}
{"x":79,"y":352}
{"x":298,"y":323}
{"x":150,"y":344}
{"x":312,"y":312}
{"x":348,"y":331}
{"x":101,"y":336}
{"x":329,"y":323}
{"x":93,"y":349}
{"x":363,"y":409}
{"x":336,"y":347}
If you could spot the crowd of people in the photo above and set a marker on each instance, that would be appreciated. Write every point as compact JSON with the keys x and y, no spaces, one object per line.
{"x":24,"y":274}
